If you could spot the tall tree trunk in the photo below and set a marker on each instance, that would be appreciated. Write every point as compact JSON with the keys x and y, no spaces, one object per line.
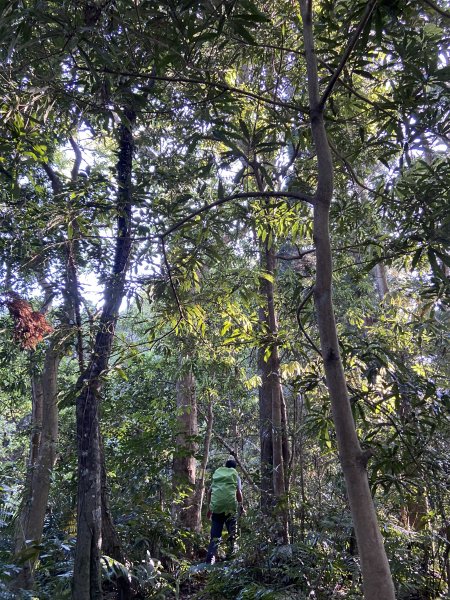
{"x":200,"y":483}
{"x":184,"y":462}
{"x":44,"y":436}
{"x":377,"y":580}
{"x":87,"y":574}
{"x":272,"y":403}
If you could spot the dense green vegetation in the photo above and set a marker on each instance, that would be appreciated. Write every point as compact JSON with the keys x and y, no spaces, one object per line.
{"x":176,"y":178}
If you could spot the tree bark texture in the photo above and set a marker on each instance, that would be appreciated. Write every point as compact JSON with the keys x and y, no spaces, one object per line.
{"x":377,"y":580}
{"x":44,"y":437}
{"x":87,"y":574}
{"x":184,"y":462}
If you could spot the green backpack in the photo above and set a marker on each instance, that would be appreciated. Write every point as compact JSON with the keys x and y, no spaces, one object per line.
{"x":223,"y":490}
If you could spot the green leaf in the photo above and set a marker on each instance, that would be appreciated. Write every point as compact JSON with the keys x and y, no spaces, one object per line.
{"x":121,"y":372}
{"x":416,"y":258}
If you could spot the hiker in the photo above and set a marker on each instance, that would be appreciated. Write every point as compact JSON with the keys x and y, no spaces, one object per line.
{"x":225,"y":490}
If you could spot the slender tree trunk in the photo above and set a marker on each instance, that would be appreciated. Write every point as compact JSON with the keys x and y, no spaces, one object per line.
{"x":299,"y":447}
{"x":87,"y":574}
{"x":30,"y":523}
{"x":265,"y":427}
{"x":111,"y":545}
{"x":200,"y":483}
{"x":285,"y":442}
{"x":377,"y":580}
{"x":184,"y":462}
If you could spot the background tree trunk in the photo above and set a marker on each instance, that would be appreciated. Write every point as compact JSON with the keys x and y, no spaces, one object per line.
{"x":184,"y":462}
{"x":44,"y":437}
{"x":272,"y":407}
{"x":265,"y":427}
{"x":200,"y":483}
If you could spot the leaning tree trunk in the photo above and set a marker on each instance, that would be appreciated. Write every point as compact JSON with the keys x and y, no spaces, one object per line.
{"x":30,"y":522}
{"x":184,"y":462}
{"x":87,"y":574}
{"x":377,"y":580}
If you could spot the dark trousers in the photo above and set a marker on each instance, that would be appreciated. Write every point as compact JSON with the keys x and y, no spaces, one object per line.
{"x":218,"y":520}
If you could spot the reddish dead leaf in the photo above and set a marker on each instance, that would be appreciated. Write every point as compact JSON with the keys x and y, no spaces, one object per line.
{"x":30,"y":326}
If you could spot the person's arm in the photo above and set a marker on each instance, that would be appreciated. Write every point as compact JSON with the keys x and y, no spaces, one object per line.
{"x":208,"y":502}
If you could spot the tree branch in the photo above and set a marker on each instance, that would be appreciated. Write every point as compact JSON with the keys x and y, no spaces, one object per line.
{"x":243,"y":195}
{"x":212,"y":84}
{"x":233,"y":453}
{"x":302,"y":329}
{"x":351,"y":45}
{"x":72,"y":285}
{"x":438,"y":9}
{"x":172,"y":283}
{"x":354,"y":176}
{"x":55,"y":180}
{"x":77,"y":161}
{"x":298,"y":256}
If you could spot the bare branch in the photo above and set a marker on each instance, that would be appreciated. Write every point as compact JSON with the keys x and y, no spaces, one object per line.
{"x":351,"y":45}
{"x":354,"y":176}
{"x":49,"y":293}
{"x":72,"y":285}
{"x":298,"y":256}
{"x":55,"y":180}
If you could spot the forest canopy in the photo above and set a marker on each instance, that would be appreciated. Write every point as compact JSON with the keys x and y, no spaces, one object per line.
{"x":225,"y":231}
